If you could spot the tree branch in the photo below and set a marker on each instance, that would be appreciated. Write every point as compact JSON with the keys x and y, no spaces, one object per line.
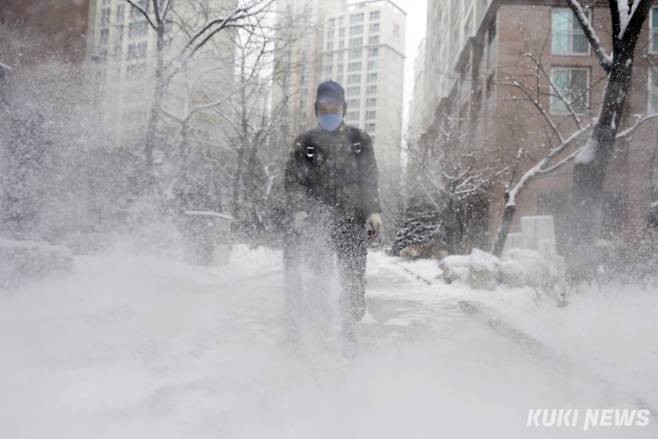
{"x":604,"y":59}
{"x":143,"y":12}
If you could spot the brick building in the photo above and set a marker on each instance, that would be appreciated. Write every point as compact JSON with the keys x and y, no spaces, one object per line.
{"x":62,"y":23}
{"x":520,"y":56}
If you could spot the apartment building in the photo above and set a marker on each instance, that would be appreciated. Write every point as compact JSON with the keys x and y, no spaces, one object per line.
{"x":450,"y":25}
{"x":123,"y":47}
{"x":417,"y":104}
{"x":61,"y":24}
{"x":297,"y":64}
{"x":522,"y":56}
{"x":364,"y":51}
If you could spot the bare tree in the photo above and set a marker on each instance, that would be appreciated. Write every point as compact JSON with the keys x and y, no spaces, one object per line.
{"x":245,"y":117}
{"x":157,"y":14}
{"x":454,"y":181}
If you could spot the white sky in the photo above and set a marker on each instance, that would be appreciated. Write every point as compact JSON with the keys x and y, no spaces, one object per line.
{"x":416,"y":22}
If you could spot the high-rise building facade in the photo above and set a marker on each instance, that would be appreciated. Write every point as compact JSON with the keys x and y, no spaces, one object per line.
{"x":297,"y":64}
{"x":364,"y":48}
{"x":123,"y":47}
{"x":450,"y":25}
{"x":417,"y":103}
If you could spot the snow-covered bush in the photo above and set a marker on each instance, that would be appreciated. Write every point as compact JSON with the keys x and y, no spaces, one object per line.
{"x":21,"y":261}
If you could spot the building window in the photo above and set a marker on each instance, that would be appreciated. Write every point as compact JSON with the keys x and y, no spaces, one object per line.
{"x":134,"y":12}
{"x":118,"y":34}
{"x":373,"y":52}
{"x":104,"y":36}
{"x":372,"y":77}
{"x":352,"y":116}
{"x":371,"y":102}
{"x":105,"y":16}
{"x":340,"y":69}
{"x":341,"y":32}
{"x":353,"y":103}
{"x":370,"y":127}
{"x":120,"y":12}
{"x":374,"y":15}
{"x":653,"y":90}
{"x":573,"y":85}
{"x":372,"y":64}
{"x":354,"y":79}
{"x":373,"y":40}
{"x":372,"y":114}
{"x":332,"y":22}
{"x":354,"y":42}
{"x":356,"y":30}
{"x":355,"y":53}
{"x":568,"y":37}
{"x":330,"y":34}
{"x":654,"y":29}
{"x":341,"y":44}
{"x":354,"y":66}
{"x":356,"y":18}
{"x":137,"y":29}
{"x":354,"y":90}
{"x":330,"y":45}
{"x":374,"y":27}
{"x":371,"y":90}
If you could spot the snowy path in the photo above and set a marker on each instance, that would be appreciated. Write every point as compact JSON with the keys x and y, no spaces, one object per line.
{"x":138,"y":347}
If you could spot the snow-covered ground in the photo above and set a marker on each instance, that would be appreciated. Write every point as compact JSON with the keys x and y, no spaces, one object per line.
{"x":136,"y":346}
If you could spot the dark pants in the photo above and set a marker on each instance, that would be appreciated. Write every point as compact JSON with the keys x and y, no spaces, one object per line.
{"x":309,"y":264}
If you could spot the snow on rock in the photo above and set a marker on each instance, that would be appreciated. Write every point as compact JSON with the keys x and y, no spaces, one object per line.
{"x":455,"y":268}
{"x":21,"y":261}
{"x":483,"y":271}
{"x":522,"y":267}
{"x":479,"y":269}
{"x":517,"y":268}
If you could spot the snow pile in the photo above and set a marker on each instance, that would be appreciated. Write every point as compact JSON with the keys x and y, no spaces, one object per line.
{"x":480,"y":270}
{"x":517,"y":268}
{"x":522,"y":267}
{"x":21,"y":261}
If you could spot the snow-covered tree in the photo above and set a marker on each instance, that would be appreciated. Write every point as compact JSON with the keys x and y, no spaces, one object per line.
{"x":449,"y":176}
{"x":558,"y":148}
{"x":194,"y":33}
{"x":591,"y":163}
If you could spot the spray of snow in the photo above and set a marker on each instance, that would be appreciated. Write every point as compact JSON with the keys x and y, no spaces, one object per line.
{"x":137,"y":346}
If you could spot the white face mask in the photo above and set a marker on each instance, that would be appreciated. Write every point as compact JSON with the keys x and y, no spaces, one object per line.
{"x":330,"y":122}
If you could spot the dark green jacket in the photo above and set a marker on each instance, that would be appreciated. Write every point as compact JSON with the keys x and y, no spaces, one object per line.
{"x":325,"y":168}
